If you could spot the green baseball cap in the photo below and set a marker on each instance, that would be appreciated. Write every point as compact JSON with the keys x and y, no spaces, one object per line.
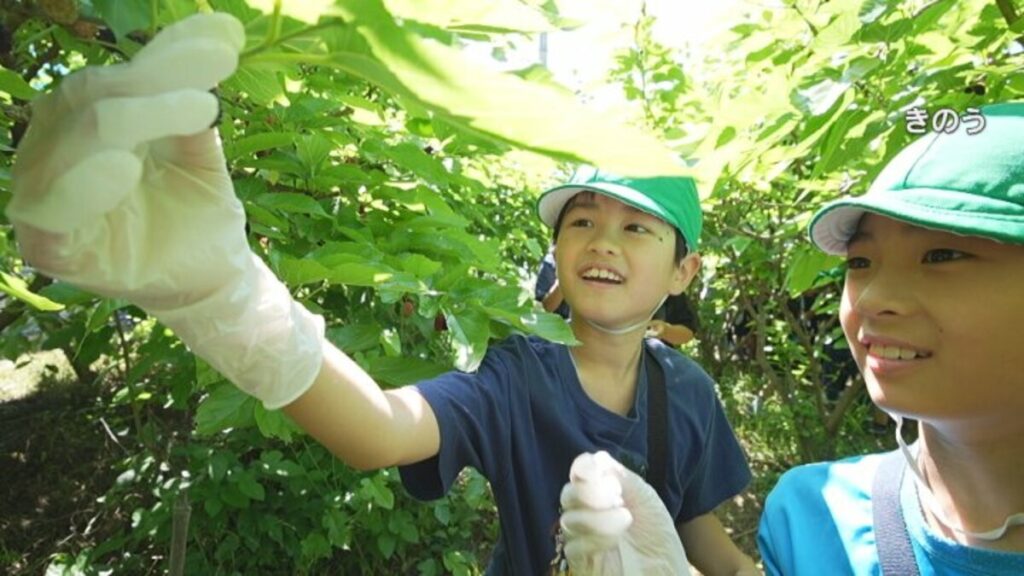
{"x":968,"y":184}
{"x":674,"y":199}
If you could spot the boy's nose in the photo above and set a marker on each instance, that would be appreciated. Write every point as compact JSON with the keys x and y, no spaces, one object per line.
{"x":604,"y":241}
{"x":882,"y":294}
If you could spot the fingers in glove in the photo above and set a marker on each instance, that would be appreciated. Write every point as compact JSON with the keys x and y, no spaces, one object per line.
{"x":85,"y":192}
{"x":195,"y":53}
{"x":600,"y":524}
{"x":218,"y":27}
{"x":127,"y":122}
{"x":593,"y":483}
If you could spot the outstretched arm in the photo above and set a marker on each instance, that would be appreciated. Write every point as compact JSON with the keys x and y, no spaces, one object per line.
{"x":361,"y":424}
{"x":120,"y":187}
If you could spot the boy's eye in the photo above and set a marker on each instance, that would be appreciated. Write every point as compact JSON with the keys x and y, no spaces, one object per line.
{"x":940,"y":255}
{"x":581,"y":223}
{"x":639,"y":228}
{"x":857,"y":263}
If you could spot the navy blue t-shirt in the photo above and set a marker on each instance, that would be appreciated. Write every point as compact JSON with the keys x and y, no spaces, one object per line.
{"x":523,"y":417}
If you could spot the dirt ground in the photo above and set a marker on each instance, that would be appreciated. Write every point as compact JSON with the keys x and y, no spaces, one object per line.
{"x":54,"y":461}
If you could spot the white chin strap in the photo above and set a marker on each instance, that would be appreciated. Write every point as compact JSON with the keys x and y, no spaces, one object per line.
{"x":928,"y":499}
{"x":627,"y":329}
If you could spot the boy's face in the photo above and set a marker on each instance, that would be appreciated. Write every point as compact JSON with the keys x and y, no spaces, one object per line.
{"x":936,"y":323}
{"x":615,"y":263}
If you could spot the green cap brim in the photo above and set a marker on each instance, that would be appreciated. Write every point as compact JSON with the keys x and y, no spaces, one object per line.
{"x":943,"y":210}
{"x":551,"y":202}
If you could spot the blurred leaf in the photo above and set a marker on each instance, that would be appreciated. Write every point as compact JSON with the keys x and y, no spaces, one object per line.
{"x":291,"y":202}
{"x":470,"y":335}
{"x":400,"y":371}
{"x":14,"y":85}
{"x":124,"y":16}
{"x":501,"y":106}
{"x":225,"y":407}
{"x":308,"y":11}
{"x":259,"y":142}
{"x":805,"y":267}
{"x":18,"y":288}
{"x":493,"y":15}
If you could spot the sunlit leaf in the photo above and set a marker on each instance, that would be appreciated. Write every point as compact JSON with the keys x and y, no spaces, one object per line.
{"x":501,"y":106}
{"x":17,"y":288}
{"x":308,"y":11}
{"x":14,"y":85}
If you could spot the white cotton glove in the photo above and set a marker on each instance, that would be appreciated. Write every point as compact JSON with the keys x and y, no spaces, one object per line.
{"x":615,"y":524}
{"x":120,"y":187}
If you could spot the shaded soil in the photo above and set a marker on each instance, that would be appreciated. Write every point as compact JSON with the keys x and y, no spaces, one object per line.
{"x":55,"y":460}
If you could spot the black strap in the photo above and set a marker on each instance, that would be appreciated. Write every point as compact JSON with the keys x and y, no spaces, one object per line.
{"x":895,"y":555}
{"x":657,"y":425}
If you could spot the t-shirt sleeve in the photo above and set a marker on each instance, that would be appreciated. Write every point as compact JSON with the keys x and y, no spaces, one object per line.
{"x":473,"y":416}
{"x":722,"y":471}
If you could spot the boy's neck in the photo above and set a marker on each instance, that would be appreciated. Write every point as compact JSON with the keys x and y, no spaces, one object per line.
{"x":607,"y":365}
{"x":977,"y":482}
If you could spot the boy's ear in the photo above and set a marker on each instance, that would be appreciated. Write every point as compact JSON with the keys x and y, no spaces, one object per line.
{"x":684,"y":273}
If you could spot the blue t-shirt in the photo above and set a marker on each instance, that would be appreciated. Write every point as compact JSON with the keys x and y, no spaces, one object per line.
{"x":523,"y":417}
{"x":818,"y":520}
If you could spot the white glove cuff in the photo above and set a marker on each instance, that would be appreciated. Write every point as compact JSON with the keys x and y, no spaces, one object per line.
{"x":255,"y":334}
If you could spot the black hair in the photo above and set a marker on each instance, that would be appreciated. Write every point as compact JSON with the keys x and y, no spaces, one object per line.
{"x":681,"y":248}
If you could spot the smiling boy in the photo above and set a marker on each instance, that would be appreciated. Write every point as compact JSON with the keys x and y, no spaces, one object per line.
{"x":110,"y":195}
{"x":932,"y":308}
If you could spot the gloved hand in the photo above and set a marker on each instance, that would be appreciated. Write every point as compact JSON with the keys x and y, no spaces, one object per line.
{"x":615,"y":524}
{"x":120,"y":187}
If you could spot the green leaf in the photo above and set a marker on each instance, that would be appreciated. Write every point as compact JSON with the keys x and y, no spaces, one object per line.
{"x":418,"y":162}
{"x":102,"y":312}
{"x":233,"y":496}
{"x":257,"y":143}
{"x":391,"y":342}
{"x":260,"y":84}
{"x":225,"y":407}
{"x":308,"y":11}
{"x":124,"y":16}
{"x":470,"y":334}
{"x":355,"y":337}
{"x":313,"y":150}
{"x":805,"y":266}
{"x":14,"y":85}
{"x":386,"y":544}
{"x":337,"y":524}
{"x":17,"y":288}
{"x":291,"y":202}
{"x":375,"y":490}
{"x":420,"y":266}
{"x":544,"y":324}
{"x":402,"y":370}
{"x":500,"y":106}
{"x":274,"y":424}
{"x":251,"y":488}
{"x":351,"y":271}
{"x":67,"y":294}
{"x":494,"y":15}
{"x":315,"y":546}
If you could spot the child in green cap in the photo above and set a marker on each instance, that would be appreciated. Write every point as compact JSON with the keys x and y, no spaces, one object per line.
{"x":932,"y":308}
{"x":121,"y":187}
